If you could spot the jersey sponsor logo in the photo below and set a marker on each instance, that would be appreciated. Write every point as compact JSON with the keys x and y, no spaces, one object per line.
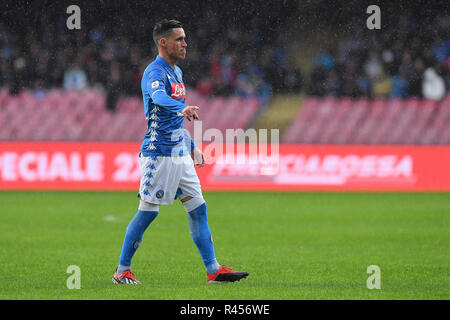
{"x":178,"y":91}
{"x":155,"y":84}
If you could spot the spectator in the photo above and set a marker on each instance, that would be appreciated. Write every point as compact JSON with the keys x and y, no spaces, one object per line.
{"x":415,"y":79}
{"x":244,"y":87}
{"x":317,"y":80}
{"x":332,"y":84}
{"x":382,"y":86}
{"x":113,"y":87}
{"x":75,"y":78}
{"x":20,"y":80}
{"x":373,"y":67}
{"x":399,"y":86}
{"x":433,"y":85}
{"x":387,"y":64}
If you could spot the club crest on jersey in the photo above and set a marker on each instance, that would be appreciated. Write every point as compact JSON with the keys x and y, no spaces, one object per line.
{"x":159,"y":194}
{"x":178,"y":91}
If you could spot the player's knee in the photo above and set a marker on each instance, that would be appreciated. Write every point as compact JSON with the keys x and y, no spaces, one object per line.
{"x":198,"y":223}
{"x":185,"y":199}
{"x":193,"y":203}
{"x":142,"y":220}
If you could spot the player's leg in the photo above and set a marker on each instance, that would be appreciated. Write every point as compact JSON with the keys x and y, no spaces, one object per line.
{"x":145,"y":215}
{"x":158,"y":185}
{"x":147,"y":212}
{"x":190,"y":194}
{"x":201,"y":235}
{"x":200,"y":232}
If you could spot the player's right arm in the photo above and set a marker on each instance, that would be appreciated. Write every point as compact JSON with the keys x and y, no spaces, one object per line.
{"x":156,"y":86}
{"x":190,"y":112}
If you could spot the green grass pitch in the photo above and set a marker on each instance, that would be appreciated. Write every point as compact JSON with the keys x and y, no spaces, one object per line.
{"x":295,"y":246}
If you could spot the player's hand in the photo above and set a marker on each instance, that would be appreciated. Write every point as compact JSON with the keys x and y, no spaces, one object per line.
{"x":197,"y":157}
{"x":190,"y":113}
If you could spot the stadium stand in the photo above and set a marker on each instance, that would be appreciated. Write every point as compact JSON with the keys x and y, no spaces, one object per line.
{"x":330,"y":120}
{"x":360,"y":86}
{"x":74,"y":115}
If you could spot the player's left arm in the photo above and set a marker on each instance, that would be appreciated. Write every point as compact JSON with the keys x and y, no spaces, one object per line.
{"x":196,"y":154}
{"x":197,"y":157}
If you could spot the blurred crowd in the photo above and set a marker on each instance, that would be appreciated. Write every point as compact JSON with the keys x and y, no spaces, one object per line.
{"x":249,"y":51}
{"x":407,"y":58}
{"x":227,"y":54}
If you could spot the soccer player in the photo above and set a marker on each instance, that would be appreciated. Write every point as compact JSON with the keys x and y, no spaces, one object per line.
{"x":167,"y":158}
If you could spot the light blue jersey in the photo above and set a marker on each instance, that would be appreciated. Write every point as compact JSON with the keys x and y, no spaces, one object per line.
{"x":164,"y":98}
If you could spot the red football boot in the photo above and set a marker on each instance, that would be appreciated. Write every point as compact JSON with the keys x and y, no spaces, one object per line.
{"x":226,"y":274}
{"x":126,"y":277}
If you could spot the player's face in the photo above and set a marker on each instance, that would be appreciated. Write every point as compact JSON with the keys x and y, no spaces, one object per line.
{"x":176,"y":44}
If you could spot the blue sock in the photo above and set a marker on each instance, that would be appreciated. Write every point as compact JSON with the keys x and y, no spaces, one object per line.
{"x":201,"y":234}
{"x":133,"y":237}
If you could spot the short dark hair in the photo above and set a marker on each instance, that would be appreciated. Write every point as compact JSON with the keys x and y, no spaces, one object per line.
{"x":163,"y":29}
